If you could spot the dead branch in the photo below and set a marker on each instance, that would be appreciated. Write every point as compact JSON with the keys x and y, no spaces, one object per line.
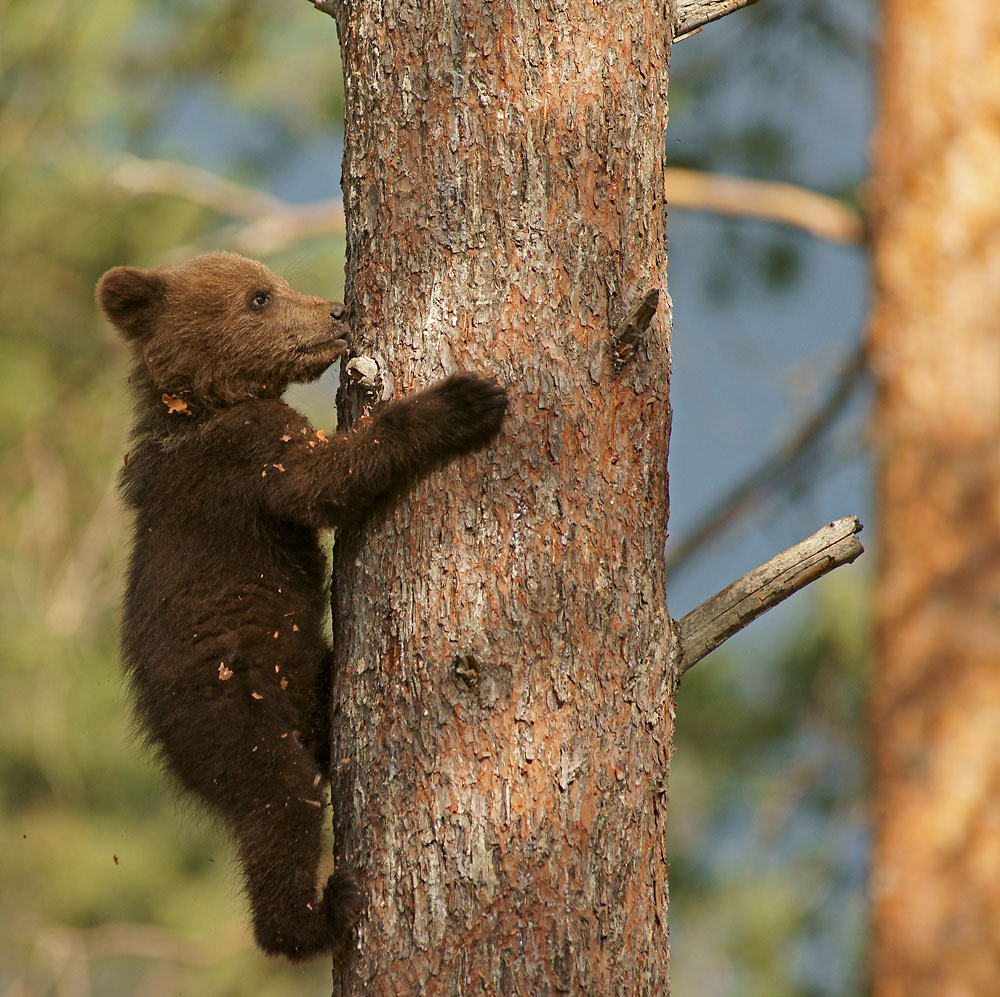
{"x":774,"y":472}
{"x":729,"y":611}
{"x":692,"y":14}
{"x":822,"y":216}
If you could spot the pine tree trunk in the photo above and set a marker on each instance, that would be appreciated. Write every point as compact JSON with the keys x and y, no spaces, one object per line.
{"x":936,"y":353}
{"x":503,"y":697}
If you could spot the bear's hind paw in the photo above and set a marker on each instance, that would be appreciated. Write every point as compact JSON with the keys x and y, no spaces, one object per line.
{"x":342,"y":904}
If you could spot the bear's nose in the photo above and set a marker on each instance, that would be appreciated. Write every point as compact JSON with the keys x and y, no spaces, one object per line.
{"x":338,"y":311}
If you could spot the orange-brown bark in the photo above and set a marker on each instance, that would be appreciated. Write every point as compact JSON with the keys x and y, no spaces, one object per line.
{"x":504,"y":690}
{"x":935,"y":349}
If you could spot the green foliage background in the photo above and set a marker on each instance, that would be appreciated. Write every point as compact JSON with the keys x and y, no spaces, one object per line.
{"x":107,"y":885}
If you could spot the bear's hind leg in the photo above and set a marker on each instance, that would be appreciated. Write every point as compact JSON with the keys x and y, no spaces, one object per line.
{"x":280,"y":856}
{"x":269,"y":791}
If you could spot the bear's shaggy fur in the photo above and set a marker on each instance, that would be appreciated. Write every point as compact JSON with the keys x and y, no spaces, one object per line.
{"x":222,"y":633}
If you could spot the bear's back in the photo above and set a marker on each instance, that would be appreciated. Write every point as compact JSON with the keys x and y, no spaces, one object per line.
{"x":214,"y":576}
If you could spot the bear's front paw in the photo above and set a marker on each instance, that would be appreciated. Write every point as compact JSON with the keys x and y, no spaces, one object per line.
{"x":473,"y":408}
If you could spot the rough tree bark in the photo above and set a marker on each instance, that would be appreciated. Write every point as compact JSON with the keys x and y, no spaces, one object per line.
{"x":935,"y":350}
{"x":504,"y":685}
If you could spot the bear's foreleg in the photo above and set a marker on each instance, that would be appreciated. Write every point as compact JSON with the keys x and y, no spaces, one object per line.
{"x":324,"y":481}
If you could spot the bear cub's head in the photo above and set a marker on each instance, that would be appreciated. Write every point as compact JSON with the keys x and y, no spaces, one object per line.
{"x":222,"y":328}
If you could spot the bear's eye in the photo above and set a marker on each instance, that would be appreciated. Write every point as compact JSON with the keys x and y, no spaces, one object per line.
{"x":260,"y":299}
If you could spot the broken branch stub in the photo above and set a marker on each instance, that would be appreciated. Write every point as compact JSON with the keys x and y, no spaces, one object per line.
{"x":625,"y":340}
{"x":326,"y":6}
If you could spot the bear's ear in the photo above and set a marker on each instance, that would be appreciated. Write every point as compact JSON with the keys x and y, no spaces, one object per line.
{"x":131,"y":299}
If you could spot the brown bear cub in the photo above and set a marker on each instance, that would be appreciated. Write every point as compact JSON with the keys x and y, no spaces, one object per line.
{"x":222,"y":632}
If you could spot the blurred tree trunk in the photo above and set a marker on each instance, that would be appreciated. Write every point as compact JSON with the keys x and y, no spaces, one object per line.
{"x":504,"y":691}
{"x":935,"y":348}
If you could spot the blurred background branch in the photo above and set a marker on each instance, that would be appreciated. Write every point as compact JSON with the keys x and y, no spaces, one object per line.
{"x":781,"y":203}
{"x":792,"y":457}
{"x":271,"y":225}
